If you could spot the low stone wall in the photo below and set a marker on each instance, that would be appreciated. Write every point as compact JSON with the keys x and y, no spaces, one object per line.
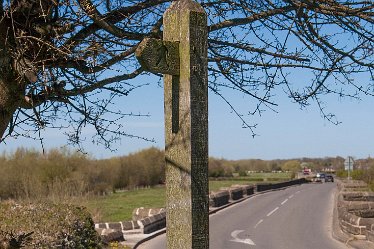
{"x":260,"y":187}
{"x":141,"y":213}
{"x":352,"y":224}
{"x":356,"y":210}
{"x":153,"y":223}
{"x":109,"y":235}
{"x":352,"y":186}
{"x":271,"y":186}
{"x":248,"y":190}
{"x":235,"y":193}
{"x":145,"y":220}
{"x":122,"y":226}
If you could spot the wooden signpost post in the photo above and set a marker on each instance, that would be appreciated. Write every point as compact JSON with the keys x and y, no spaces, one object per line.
{"x":182,"y":57}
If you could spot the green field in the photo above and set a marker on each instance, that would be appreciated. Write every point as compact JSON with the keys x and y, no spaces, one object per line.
{"x":284,"y":175}
{"x":216,"y":185}
{"x":252,"y":178}
{"x":119,"y":206}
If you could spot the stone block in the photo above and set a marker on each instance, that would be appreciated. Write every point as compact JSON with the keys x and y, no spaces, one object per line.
{"x":370,"y":236}
{"x":247,"y":189}
{"x":141,"y":213}
{"x":128,"y":225}
{"x":115,"y":226}
{"x":220,"y":198}
{"x":110,"y":235}
{"x":236,"y":193}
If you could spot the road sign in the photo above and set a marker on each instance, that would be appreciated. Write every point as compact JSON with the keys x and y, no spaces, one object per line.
{"x":348,"y":163}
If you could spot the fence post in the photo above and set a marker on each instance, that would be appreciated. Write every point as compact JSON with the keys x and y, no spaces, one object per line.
{"x":182,"y":58}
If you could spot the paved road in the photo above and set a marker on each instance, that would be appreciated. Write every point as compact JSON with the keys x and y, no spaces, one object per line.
{"x":295,"y":218}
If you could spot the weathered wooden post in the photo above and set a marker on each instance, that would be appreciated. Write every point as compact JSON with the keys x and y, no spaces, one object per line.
{"x":182,"y":58}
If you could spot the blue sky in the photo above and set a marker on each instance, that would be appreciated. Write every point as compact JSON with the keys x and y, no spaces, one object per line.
{"x":288,"y":133}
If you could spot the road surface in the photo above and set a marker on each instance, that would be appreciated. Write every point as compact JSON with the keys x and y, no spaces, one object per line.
{"x":299,"y":217}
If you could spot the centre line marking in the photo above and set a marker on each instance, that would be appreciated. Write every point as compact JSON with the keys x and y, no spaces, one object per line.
{"x":259,"y":222}
{"x":275,"y":209}
{"x":284,"y":201}
{"x":289,"y":197}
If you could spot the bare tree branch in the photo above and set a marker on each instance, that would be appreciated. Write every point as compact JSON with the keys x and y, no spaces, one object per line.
{"x":65,"y":63}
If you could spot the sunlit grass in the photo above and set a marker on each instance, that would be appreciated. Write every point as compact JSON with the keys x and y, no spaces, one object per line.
{"x":120,"y":205}
{"x":216,"y":185}
{"x":285,"y":175}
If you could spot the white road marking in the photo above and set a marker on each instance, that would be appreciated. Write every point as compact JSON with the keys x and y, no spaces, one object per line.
{"x":275,"y":209}
{"x":289,"y":197}
{"x":235,"y":234}
{"x":284,"y":201}
{"x":297,"y":192}
{"x":259,"y":222}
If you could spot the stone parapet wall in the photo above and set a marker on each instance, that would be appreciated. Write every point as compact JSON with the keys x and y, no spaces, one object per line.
{"x":356,"y":210}
{"x":141,"y":213}
{"x":153,"y":223}
{"x":248,"y":190}
{"x":272,"y":186}
{"x":147,"y":224}
{"x":352,"y":186}
{"x":122,"y":225}
{"x":109,"y":235}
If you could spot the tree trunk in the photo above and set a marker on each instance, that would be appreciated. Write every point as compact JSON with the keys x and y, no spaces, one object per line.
{"x":12,"y":87}
{"x":11,"y":91}
{"x":9,"y":100}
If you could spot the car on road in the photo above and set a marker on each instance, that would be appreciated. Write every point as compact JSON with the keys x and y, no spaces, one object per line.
{"x":320,"y":177}
{"x":329,"y":178}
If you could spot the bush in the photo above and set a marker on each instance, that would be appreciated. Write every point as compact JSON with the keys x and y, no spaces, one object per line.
{"x":46,"y":225}
{"x":342,"y":173}
{"x":358,"y":174}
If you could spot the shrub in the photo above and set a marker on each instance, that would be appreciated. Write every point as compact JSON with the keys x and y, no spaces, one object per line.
{"x":358,"y":174}
{"x":342,"y":173}
{"x":46,"y":225}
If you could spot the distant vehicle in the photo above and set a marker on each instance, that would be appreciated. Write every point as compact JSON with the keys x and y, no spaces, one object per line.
{"x":320,"y":177}
{"x":307,"y":171}
{"x":329,"y":178}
